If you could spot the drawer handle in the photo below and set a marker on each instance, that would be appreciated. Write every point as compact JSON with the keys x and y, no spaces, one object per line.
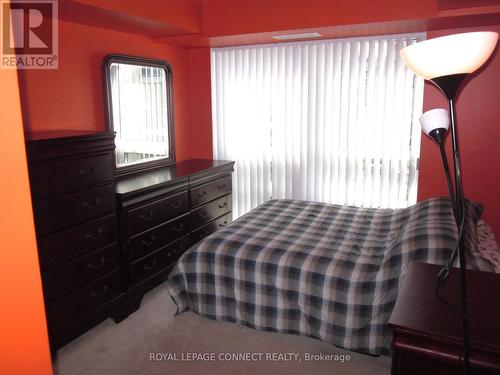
{"x":91,"y":205}
{"x":223,"y":205}
{"x":100,"y":231}
{"x":89,"y":172}
{"x":149,"y":216}
{"x":176,"y":204}
{"x":203,"y":214}
{"x":169,"y":254}
{"x":202,"y":194}
{"x":101,"y":293}
{"x":90,"y":266}
{"x":223,"y":224}
{"x":179,"y":228}
{"x":151,"y":267}
{"x":150,"y":242}
{"x":220,"y":187}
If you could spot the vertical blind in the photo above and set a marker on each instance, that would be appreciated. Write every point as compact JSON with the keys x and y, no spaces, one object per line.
{"x":334,"y":121}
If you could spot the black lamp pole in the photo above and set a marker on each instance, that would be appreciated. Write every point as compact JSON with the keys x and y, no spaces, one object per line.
{"x":449,"y":86}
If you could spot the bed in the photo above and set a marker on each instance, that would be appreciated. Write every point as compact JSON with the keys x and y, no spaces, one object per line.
{"x":325,"y":271}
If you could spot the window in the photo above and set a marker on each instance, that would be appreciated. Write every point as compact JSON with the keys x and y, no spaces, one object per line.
{"x":333,"y":121}
{"x":139,"y":98}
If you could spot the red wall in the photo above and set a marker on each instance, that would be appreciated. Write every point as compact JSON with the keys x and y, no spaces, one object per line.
{"x":182,"y":14}
{"x":71,"y":97}
{"x":225,"y":17}
{"x":201,"y":103}
{"x":478,"y":123}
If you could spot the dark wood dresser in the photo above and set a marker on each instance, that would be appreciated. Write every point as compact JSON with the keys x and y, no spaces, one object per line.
{"x":163,"y":212}
{"x":427,"y":334}
{"x":73,"y":194}
{"x":102,"y":244}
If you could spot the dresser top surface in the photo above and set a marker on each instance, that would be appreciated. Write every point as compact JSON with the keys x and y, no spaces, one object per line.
{"x":419,"y":310}
{"x":169,"y":174}
{"x":62,"y":133}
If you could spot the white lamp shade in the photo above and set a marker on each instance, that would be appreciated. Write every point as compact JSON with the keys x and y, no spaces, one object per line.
{"x":435,"y":119}
{"x":452,"y":54}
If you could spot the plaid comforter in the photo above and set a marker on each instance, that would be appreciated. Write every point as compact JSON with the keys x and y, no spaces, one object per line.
{"x":325,"y":271}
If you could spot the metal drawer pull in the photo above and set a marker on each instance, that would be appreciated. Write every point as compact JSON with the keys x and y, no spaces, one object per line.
{"x":91,"y":205}
{"x":148,"y":217}
{"x":220,"y":187}
{"x":179,"y":228}
{"x":202,"y":194}
{"x":88,"y":172}
{"x":146,"y":243}
{"x":203,"y":215}
{"x":101,"y":293}
{"x":223,"y":205}
{"x":90,"y":266}
{"x":176,"y":204}
{"x":151,"y":267}
{"x":223,"y":224}
{"x":100,"y":231}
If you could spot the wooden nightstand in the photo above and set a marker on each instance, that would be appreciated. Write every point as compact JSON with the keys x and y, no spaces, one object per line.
{"x":427,"y":334}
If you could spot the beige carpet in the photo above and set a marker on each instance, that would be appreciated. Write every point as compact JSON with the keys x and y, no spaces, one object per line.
{"x":125,"y":348}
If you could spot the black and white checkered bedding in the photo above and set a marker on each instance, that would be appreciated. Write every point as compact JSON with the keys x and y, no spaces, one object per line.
{"x":325,"y":271}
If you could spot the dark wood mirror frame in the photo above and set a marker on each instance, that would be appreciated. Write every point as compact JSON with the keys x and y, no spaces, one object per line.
{"x":140,"y":61}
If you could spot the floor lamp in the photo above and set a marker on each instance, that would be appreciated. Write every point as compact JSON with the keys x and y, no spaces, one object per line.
{"x":446,"y":62}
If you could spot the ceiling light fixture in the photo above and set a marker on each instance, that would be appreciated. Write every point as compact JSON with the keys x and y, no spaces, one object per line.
{"x":296,"y":36}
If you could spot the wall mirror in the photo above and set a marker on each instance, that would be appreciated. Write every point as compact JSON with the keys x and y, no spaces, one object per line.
{"x":140,"y":111}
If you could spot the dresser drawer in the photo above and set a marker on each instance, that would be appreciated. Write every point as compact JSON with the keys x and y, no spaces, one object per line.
{"x":70,"y":243}
{"x":157,"y":212}
{"x":80,"y":271}
{"x":147,"y":242}
{"x":207,"y":192}
{"x":159,"y":260}
{"x":68,"y":310}
{"x":58,"y":213}
{"x":211,"y":227}
{"x":66,"y":176}
{"x":210,"y":211}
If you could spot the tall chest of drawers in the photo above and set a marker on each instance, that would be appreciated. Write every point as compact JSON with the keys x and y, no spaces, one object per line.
{"x":73,"y":195}
{"x":163,"y":212}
